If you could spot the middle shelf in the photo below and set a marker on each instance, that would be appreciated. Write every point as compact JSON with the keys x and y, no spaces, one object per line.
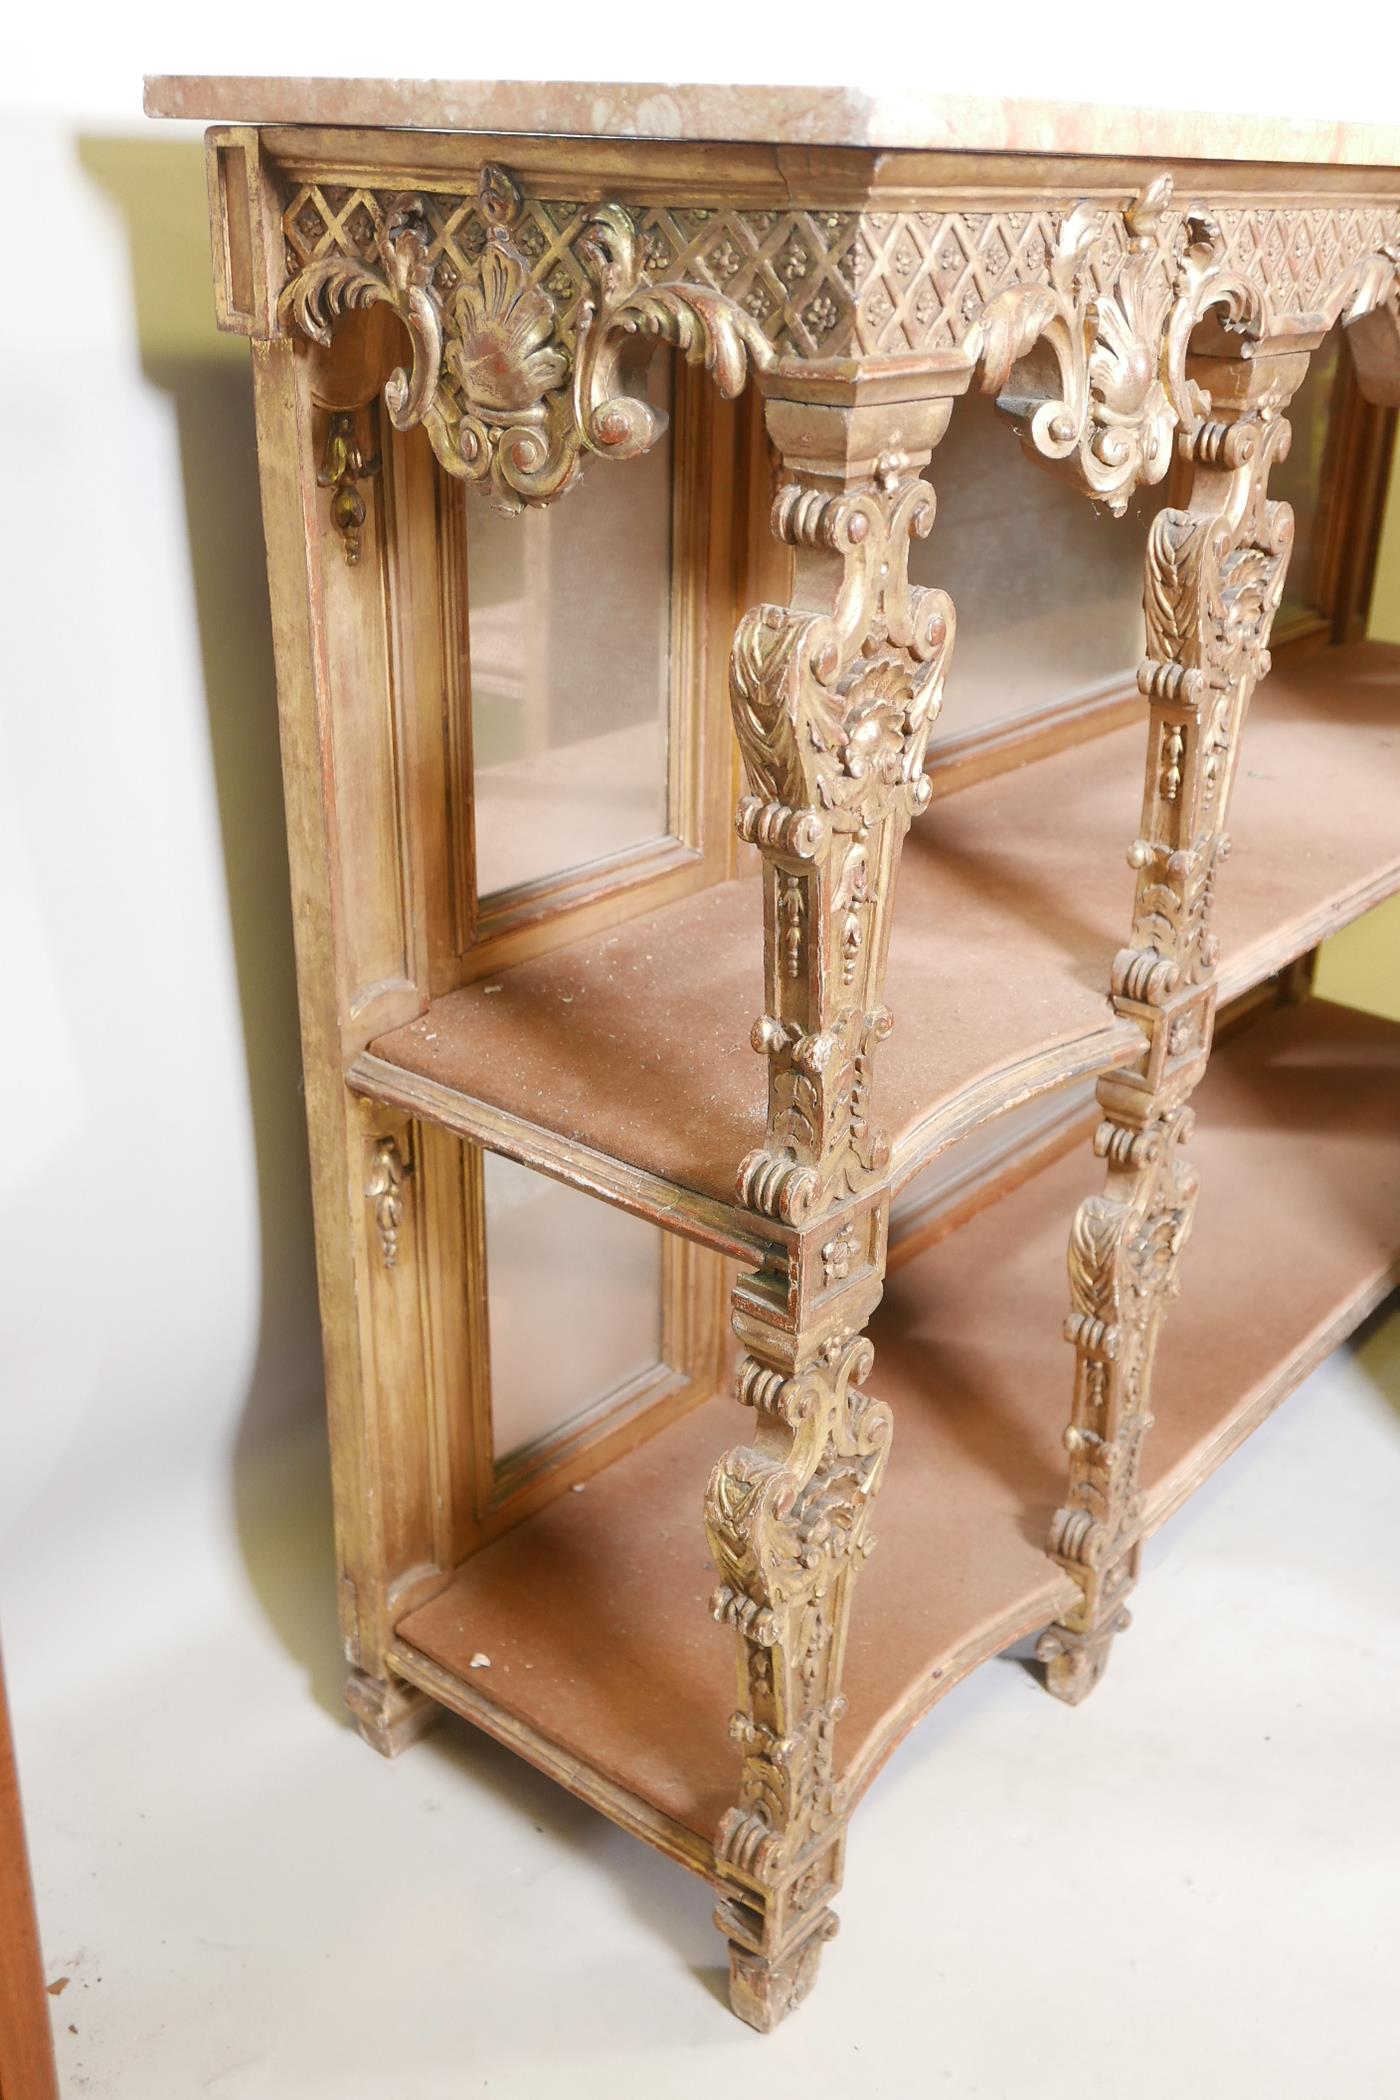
{"x":621,"y":1062}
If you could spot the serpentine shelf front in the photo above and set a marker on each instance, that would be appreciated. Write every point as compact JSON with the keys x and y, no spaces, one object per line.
{"x":603,"y":1665}
{"x":621,"y":1063}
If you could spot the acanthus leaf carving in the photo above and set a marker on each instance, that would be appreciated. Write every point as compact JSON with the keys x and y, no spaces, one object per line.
{"x":789,"y":1527}
{"x":1124,"y":1251}
{"x":335,"y":284}
{"x":1092,"y":366}
{"x":833,"y":713}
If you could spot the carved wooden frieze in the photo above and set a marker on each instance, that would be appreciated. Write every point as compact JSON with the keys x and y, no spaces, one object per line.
{"x":530,"y":321}
{"x":840,"y":283}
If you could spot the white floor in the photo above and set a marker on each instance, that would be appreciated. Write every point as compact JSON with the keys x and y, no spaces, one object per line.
{"x":1189,"y":1887}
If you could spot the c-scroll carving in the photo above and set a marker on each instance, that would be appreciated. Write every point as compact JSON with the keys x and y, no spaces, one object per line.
{"x":508,"y":398}
{"x":1092,"y":366}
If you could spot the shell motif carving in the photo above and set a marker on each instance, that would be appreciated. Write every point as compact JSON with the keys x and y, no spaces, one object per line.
{"x":507,"y":399}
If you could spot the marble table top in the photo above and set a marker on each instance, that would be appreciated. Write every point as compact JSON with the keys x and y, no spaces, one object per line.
{"x":775,"y":116}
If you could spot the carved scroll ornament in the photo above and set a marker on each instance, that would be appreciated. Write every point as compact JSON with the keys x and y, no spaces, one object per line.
{"x":1092,"y":366}
{"x":1108,"y":388}
{"x":1082,"y":335}
{"x":1215,"y":577}
{"x":789,"y":1529}
{"x":833,"y":713}
{"x":505,"y":398}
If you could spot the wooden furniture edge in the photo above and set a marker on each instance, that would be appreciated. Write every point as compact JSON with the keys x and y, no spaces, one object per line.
{"x":618,"y":1803}
{"x":1169,"y":1496}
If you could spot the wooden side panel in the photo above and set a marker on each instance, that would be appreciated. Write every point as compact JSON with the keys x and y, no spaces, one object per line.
{"x":457,"y":1367}
{"x":385,"y":1512}
{"x":369,"y":668}
{"x":413,"y":1276}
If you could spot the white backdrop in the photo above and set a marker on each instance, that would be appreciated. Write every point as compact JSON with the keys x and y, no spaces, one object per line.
{"x":159,"y":1420}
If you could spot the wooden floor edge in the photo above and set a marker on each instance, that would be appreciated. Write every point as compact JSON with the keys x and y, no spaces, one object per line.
{"x":1172,"y":1494}
{"x":1011,"y":1086}
{"x":617,"y":1803}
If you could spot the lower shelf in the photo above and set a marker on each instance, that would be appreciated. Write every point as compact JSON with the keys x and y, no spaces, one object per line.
{"x":604,"y":1665}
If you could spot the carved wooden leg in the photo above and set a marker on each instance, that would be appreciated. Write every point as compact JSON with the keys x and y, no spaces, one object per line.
{"x":388,"y":1713}
{"x":833,"y":700}
{"x":1215,"y":574}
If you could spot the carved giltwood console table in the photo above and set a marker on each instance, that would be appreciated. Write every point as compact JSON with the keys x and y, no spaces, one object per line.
{"x":520,"y":949}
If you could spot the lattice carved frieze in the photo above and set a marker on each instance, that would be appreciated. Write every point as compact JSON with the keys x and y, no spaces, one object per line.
{"x":531,"y":318}
{"x":823,"y":283}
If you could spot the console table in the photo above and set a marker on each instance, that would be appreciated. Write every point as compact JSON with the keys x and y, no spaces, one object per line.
{"x":564,"y":1214}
